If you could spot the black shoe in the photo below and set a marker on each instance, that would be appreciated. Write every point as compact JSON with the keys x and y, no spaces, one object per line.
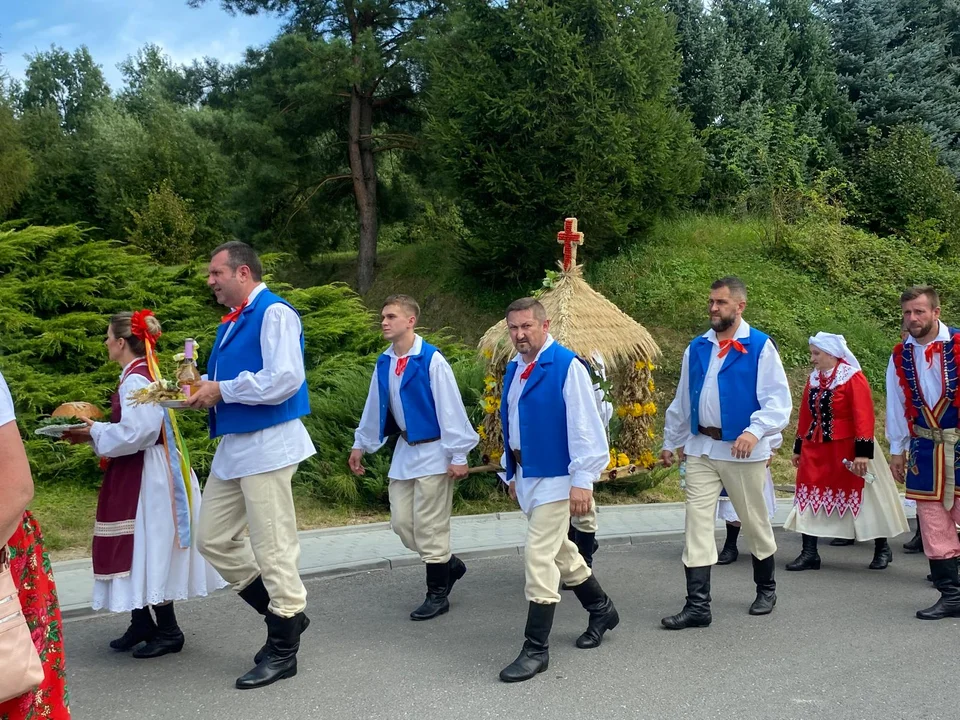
{"x":534,"y":657}
{"x":280,"y":661}
{"x":809,"y":558}
{"x":946,"y":581}
{"x":168,"y":638}
{"x":457,"y":571}
{"x":841,"y":542}
{"x":914,"y":544}
{"x":882,"y":554}
{"x":438,"y":586}
{"x":763,"y":571}
{"x":929,"y":577}
{"x":603,"y":615}
{"x":256,"y":596}
{"x":696,"y":611}
{"x":729,"y":553}
{"x":142,"y":629}
{"x":262,"y":653}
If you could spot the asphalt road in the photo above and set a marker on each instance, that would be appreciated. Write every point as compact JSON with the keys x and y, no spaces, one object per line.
{"x":842,"y":643}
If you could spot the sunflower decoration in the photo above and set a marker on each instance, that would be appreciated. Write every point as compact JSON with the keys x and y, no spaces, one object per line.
{"x":619,"y":350}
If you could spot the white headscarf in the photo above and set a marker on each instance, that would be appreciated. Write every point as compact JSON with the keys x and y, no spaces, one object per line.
{"x":835,"y":345}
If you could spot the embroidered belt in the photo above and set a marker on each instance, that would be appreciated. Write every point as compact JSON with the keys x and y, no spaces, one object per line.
{"x":945,"y":441}
{"x":714,"y":433}
{"x":403,"y":434}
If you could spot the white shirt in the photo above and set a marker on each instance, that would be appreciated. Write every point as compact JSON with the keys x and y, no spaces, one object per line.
{"x":243,"y":454}
{"x":931,"y":384}
{"x":586,"y":437}
{"x":6,"y":404}
{"x":773,"y":394}
{"x":457,"y":436}
{"x":139,"y":426}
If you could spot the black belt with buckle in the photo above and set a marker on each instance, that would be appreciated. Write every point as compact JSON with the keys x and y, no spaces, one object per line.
{"x":516,"y":457}
{"x":710,"y":432}
{"x":418,"y":442}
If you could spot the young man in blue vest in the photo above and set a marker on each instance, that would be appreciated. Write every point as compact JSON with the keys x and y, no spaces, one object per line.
{"x":731,"y":404}
{"x":923,"y":414}
{"x":414,"y":394}
{"x":555,"y":448}
{"x":256,"y":392}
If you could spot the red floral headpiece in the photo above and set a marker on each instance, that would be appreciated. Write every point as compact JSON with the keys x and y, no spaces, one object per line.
{"x":138,"y":326}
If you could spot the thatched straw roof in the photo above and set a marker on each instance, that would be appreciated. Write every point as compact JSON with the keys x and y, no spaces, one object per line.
{"x":584,"y":321}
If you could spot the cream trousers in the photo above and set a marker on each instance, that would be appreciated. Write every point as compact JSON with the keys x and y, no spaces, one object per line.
{"x":420,"y":515}
{"x":744,"y":483}
{"x":549,"y":556}
{"x":264,"y":503}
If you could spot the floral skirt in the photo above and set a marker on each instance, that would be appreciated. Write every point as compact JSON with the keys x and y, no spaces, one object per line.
{"x":33,"y":577}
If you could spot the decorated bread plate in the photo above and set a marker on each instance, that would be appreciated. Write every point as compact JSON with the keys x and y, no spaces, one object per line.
{"x":58,"y":430}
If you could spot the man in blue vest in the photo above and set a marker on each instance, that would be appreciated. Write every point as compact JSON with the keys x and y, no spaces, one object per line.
{"x":731,"y":404}
{"x":414,"y":394}
{"x":555,"y":448}
{"x":256,"y":392}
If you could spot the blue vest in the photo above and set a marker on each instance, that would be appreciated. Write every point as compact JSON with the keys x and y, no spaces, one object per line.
{"x":925,"y":478}
{"x":419,"y":409}
{"x":543,"y":416}
{"x":737,"y":382}
{"x":241,"y":351}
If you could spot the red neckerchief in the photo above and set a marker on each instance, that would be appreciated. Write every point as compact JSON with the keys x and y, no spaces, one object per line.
{"x":401,"y":365}
{"x":932,"y":349}
{"x":527,"y":370}
{"x":725,"y":346}
{"x":234,"y":314}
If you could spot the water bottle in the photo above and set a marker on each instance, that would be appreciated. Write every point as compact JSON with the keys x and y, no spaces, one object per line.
{"x":868,"y":478}
{"x":683,"y":475}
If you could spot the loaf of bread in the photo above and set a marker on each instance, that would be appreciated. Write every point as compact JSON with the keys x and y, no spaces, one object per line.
{"x":83,"y":410}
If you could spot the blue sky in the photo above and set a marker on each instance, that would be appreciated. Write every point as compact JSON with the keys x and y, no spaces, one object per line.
{"x":114,"y":29}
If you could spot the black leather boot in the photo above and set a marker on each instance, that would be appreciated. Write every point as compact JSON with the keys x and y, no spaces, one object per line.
{"x":587,"y":545}
{"x":438,"y":586}
{"x":457,"y":571}
{"x":809,"y":558}
{"x":534,"y":656}
{"x":696,"y":611}
{"x":142,"y":629}
{"x":841,"y":542}
{"x":882,"y":554}
{"x":168,"y":639}
{"x":763,"y":571}
{"x":280,"y":660}
{"x":729,"y":553}
{"x":256,"y":596}
{"x":946,"y":581}
{"x":914,"y":544}
{"x":603,"y":615}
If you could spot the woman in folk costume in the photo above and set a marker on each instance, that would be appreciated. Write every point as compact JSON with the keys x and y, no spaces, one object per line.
{"x":836,"y":424}
{"x":727,"y":513}
{"x":143,"y":554}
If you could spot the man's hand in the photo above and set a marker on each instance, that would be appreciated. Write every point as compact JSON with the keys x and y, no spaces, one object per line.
{"x":457,"y":472}
{"x":512,"y":488}
{"x":860,"y":466}
{"x":80,"y":435}
{"x":744,"y":445}
{"x":666,"y":458}
{"x":580,"y":501}
{"x":355,"y":462}
{"x":205,"y":394}
{"x":795,"y":460}
{"x":898,"y":467}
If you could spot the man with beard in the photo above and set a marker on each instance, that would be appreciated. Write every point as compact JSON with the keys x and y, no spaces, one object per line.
{"x":555,"y":448}
{"x":256,"y":393}
{"x":922,"y":415}
{"x":731,"y":404}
